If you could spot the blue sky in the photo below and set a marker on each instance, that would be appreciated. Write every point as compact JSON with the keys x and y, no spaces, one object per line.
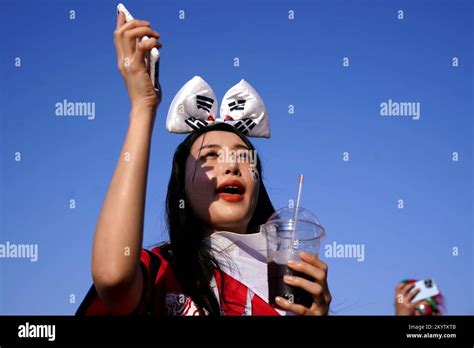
{"x":289,"y":62}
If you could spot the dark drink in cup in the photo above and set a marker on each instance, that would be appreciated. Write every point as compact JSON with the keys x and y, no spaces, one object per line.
{"x":285,"y":243}
{"x":277,"y":287}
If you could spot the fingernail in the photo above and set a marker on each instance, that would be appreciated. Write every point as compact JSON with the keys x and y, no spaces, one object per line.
{"x":291,"y":262}
{"x":280,"y":299}
{"x":289,"y":278}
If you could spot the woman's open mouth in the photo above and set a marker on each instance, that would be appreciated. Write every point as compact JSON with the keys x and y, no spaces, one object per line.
{"x":231,"y":191}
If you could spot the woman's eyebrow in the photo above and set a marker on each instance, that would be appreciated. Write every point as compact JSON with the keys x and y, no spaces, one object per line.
{"x":236,"y":146}
{"x":241,"y":146}
{"x":209,"y":145}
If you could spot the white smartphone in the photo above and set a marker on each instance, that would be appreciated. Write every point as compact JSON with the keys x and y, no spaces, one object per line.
{"x":427,"y":288}
{"x":153,"y":60}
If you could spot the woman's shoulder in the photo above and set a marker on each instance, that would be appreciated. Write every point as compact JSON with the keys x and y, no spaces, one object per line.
{"x":160,"y":254}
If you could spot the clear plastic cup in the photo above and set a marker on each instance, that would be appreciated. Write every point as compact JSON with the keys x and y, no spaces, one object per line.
{"x":283,"y":245}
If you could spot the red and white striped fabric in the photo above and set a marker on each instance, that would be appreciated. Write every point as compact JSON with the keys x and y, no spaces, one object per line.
{"x":243,"y":260}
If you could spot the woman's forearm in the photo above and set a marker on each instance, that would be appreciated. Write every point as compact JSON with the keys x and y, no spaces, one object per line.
{"x":119,"y":231}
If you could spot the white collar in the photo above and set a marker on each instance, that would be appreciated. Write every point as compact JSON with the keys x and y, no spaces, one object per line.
{"x":243,"y":257}
{"x":252,"y":245}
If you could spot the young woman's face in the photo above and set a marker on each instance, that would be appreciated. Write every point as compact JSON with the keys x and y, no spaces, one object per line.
{"x":221,"y":181}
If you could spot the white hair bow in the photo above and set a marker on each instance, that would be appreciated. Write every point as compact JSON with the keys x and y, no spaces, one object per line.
{"x":195,"y":106}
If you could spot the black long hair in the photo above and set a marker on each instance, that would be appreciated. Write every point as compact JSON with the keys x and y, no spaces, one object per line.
{"x":192,"y":260}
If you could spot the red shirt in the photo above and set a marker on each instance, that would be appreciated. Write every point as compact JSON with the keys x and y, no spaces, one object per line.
{"x":162,"y":294}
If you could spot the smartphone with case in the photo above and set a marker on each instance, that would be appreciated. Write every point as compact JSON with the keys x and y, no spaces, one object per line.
{"x":428,"y":288}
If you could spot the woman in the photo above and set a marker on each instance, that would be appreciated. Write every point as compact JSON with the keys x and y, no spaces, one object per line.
{"x":213,"y":206}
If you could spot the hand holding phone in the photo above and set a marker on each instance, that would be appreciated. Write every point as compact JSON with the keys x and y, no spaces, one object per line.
{"x":153,"y":58}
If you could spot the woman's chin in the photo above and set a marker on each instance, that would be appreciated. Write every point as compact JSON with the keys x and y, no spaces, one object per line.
{"x":233,"y":223}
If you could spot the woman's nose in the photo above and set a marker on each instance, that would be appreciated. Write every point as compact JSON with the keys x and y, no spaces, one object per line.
{"x":232,"y":168}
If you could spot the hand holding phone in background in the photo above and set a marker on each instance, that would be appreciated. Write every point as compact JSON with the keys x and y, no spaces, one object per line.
{"x":417,"y":298}
{"x":427,"y":288}
{"x":138,"y":59}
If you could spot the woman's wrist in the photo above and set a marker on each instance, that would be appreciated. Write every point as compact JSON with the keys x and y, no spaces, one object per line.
{"x":143,"y":113}
{"x":142,"y":120}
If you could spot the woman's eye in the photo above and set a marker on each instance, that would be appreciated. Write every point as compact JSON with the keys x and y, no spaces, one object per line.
{"x":209,"y":155}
